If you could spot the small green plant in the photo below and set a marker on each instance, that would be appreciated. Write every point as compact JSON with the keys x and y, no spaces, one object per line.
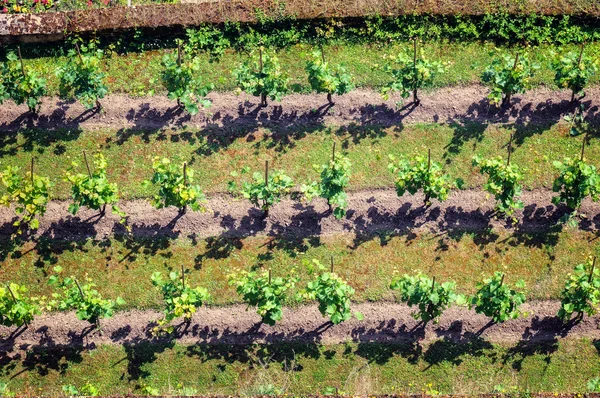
{"x":576,"y":181}
{"x":410,"y":74}
{"x":581,"y":293}
{"x":30,"y":194}
{"x":324,"y":79}
{"x":21,"y":85}
{"x":93,"y":190}
{"x":497,"y":300}
{"x":264,"y":292}
{"x":332,"y":293}
{"x":508,"y":75}
{"x":430,"y":297}
{"x":206,"y":38}
{"x":81,"y":76}
{"x":263,"y":78}
{"x":182,"y":79}
{"x":264,"y":191}
{"x":573,"y":71}
{"x":420,"y":173}
{"x":88,"y":390}
{"x":85,"y":300}
{"x":16,"y":307}
{"x":180,"y":299}
{"x":503,"y":182}
{"x":594,"y":385}
{"x":335,"y":177}
{"x":175,"y":186}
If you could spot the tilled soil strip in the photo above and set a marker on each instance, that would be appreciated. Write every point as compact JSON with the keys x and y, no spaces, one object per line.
{"x":369,"y":212}
{"x":231,"y":112}
{"x":382,"y":323}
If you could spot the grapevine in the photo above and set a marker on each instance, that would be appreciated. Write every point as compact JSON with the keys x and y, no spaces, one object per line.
{"x":581,"y":293}
{"x":324,"y":79}
{"x":19,"y":84}
{"x":573,"y":71}
{"x":507,"y":76}
{"x":16,"y":307}
{"x":497,"y":300}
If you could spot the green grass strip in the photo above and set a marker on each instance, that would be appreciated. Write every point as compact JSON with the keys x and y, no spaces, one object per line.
{"x":354,"y":369}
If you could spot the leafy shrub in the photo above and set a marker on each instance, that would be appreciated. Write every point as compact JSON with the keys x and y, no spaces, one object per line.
{"x":88,"y":390}
{"x":581,"y":293}
{"x":508,"y":75}
{"x":410,"y":73}
{"x":16,"y":307}
{"x":503,"y":183}
{"x":325,"y":79}
{"x":430,"y":297}
{"x":182,"y":79}
{"x":576,"y":181}
{"x":497,"y":300}
{"x":420,"y":173}
{"x":573,"y":71}
{"x":19,"y":84}
{"x":594,"y":385}
{"x":264,"y":191}
{"x":333,"y":295}
{"x":29,"y":194}
{"x":206,"y":38}
{"x":180,"y":300}
{"x":263,"y":78}
{"x":81,"y":77}
{"x":93,"y":190}
{"x":175,"y":186}
{"x":264,"y":292}
{"x":335,"y":177}
{"x":85,"y":300}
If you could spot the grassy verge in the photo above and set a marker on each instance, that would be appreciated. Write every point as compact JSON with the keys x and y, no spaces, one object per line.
{"x":214,"y":156}
{"x":355,"y":369}
{"x":134,"y":73}
{"x":368,"y":263}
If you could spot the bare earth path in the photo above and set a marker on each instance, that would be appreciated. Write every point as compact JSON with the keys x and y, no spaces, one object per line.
{"x":452,"y":104}
{"x":369,"y":211}
{"x":384,"y":322}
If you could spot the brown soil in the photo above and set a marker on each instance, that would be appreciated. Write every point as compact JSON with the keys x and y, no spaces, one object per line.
{"x":383,"y":322}
{"x":447,"y":105}
{"x":369,"y":212}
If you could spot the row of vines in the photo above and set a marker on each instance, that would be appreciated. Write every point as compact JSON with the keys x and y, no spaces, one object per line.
{"x":263,"y":76}
{"x":260,"y":289}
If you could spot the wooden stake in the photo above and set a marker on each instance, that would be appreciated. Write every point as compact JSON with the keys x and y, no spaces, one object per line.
{"x":182,"y":276}
{"x":333,"y":152}
{"x":332,"y":264}
{"x":185,"y":181}
{"x":269,"y":276}
{"x":87,"y":164}
{"x":32,"y":171}
{"x":79,"y":287}
{"x":415,"y":98}
{"x":592,"y":270}
{"x":509,"y":149}
{"x":266,"y":185}
{"x":21,"y":59}
{"x":11,"y":293}
{"x":507,"y":98}
{"x":583,"y":145}
{"x":322,"y":53}
{"x":433,"y":284}
{"x":502,"y":280}
{"x":263,"y":96}
{"x":428,"y":159}
{"x":79,"y":53}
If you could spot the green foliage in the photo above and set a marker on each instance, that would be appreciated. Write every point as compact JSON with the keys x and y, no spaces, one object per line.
{"x":576,"y":181}
{"x":497,"y":300}
{"x":503,"y":182}
{"x":577,"y":123}
{"x":93,"y":190}
{"x":182,"y":79}
{"x":409,"y":74}
{"x":431,"y":297}
{"x":30,"y":195}
{"x":16,"y":307}
{"x":81,"y":77}
{"x":325,"y":79}
{"x":85,"y":300}
{"x":419,"y":173}
{"x":264,"y":194}
{"x":175,"y":186}
{"x":180,"y":300}
{"x":508,"y":75}
{"x":262,"y":78}
{"x":261,"y":291}
{"x":335,"y":177}
{"x":573,"y":72}
{"x":206,"y":38}
{"x":581,"y":293}
{"x":88,"y":390}
{"x":332,"y":293}
{"x":21,"y":85}
{"x":594,"y":385}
